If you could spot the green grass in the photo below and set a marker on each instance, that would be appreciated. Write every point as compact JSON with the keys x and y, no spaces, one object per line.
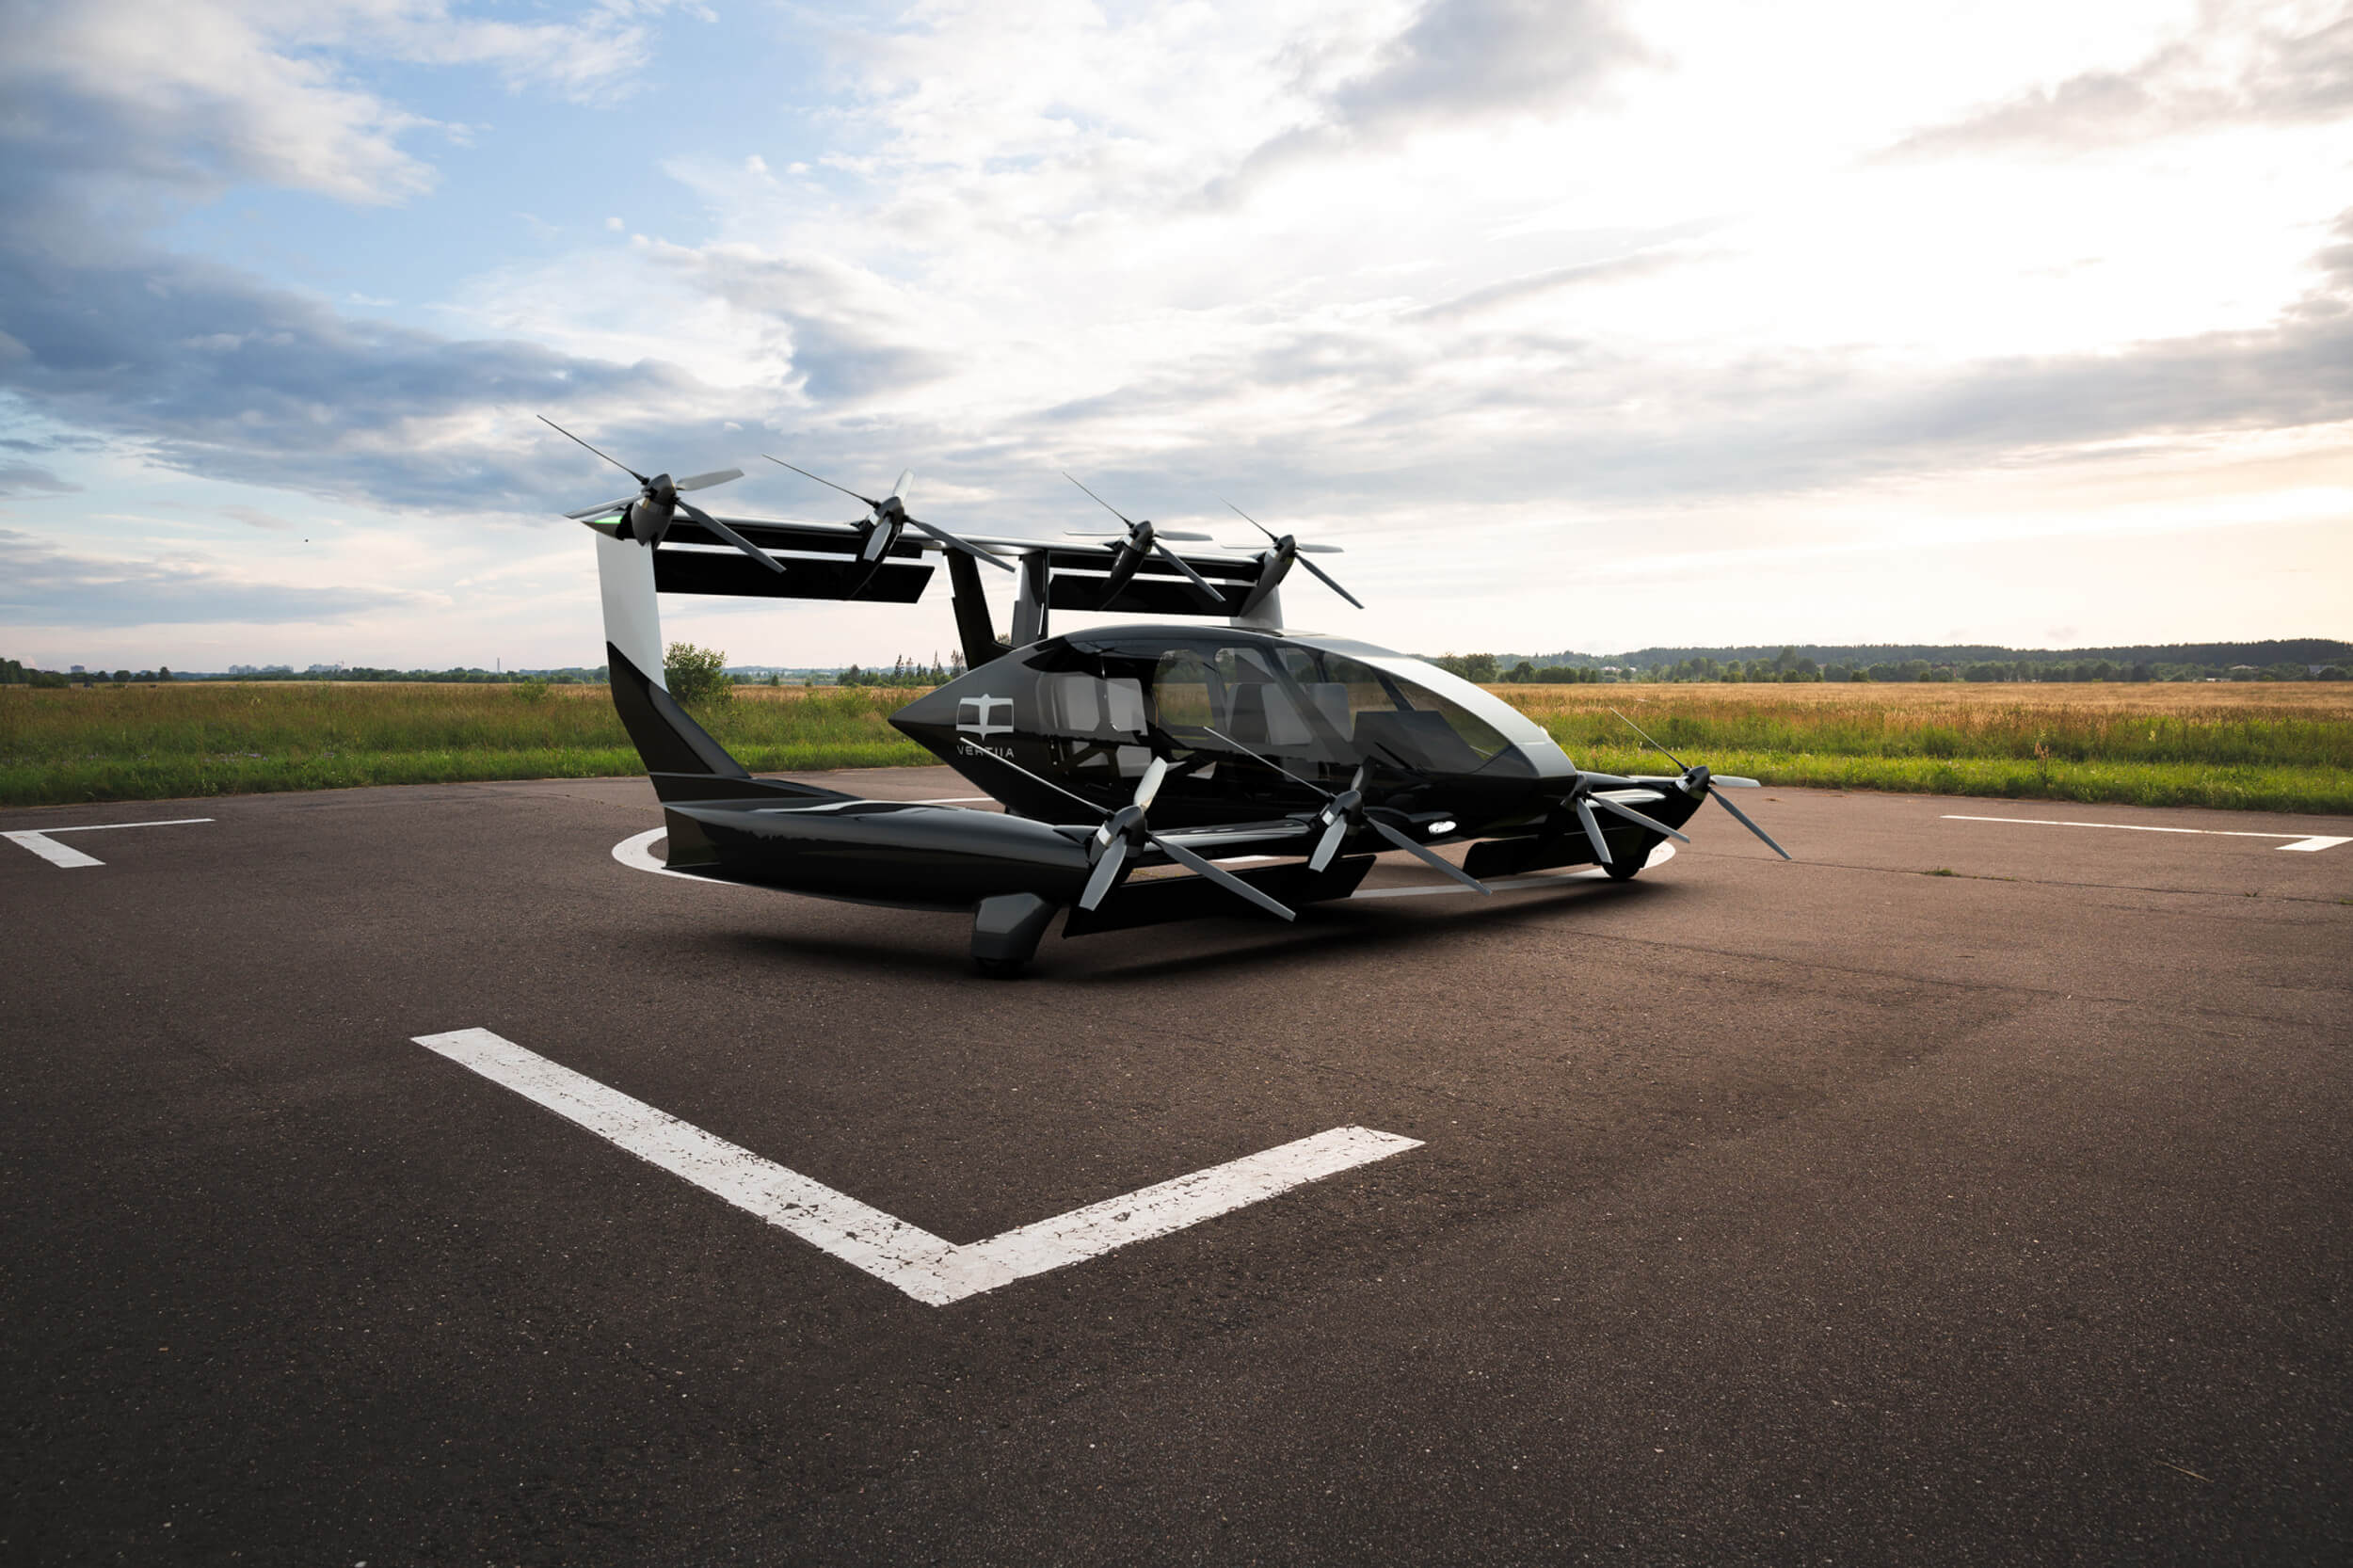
{"x":2234,"y":787}
{"x":2277,"y":748}
{"x":174,"y":742}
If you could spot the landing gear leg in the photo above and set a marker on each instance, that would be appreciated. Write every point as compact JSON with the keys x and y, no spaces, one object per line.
{"x":1005,"y":932}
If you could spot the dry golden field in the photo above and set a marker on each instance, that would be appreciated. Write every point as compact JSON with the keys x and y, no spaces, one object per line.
{"x":2257,"y":745}
{"x":2323,"y":700}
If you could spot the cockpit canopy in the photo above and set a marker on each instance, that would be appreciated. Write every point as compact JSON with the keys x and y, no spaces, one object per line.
{"x":1316,"y":705}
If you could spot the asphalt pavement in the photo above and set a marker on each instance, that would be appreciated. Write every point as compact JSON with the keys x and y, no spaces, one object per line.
{"x":1963,"y":1191}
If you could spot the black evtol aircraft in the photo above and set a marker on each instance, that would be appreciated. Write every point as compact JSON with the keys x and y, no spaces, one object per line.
{"x":1115,"y":750}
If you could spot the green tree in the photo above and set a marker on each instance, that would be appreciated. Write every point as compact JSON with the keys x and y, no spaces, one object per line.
{"x":696,"y":674}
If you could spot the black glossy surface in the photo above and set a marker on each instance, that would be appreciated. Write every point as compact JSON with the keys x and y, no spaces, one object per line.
{"x":925,"y":857}
{"x":693,"y":571}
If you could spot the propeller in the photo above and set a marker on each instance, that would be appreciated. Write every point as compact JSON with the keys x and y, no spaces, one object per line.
{"x":1124,"y":831}
{"x":887,"y":519}
{"x":1700,"y":779}
{"x":647,"y":516}
{"x":1697,"y":780}
{"x":1580,"y":802}
{"x":1347,"y":810}
{"x":1275,"y":564}
{"x":1138,"y":540}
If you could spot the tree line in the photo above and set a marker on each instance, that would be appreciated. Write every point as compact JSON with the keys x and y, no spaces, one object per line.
{"x":14,"y":673}
{"x":1792,"y":667}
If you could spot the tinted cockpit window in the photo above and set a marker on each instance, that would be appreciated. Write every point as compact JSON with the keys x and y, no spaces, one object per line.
{"x":1181,"y":697}
{"x":1393,"y":716}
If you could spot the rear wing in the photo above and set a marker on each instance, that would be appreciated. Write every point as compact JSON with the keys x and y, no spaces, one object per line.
{"x":823,"y":561}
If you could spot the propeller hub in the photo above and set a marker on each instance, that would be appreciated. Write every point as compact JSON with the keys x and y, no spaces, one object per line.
{"x":1126,"y":823}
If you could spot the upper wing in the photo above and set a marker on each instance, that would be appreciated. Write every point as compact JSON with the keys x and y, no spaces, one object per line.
{"x":821,"y":561}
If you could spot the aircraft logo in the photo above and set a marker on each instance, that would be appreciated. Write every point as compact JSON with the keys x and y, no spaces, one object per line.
{"x":978,"y":716}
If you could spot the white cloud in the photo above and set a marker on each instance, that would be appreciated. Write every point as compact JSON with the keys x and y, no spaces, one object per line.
{"x":201,"y":91}
{"x":2236,"y":64}
{"x":1629,"y":292}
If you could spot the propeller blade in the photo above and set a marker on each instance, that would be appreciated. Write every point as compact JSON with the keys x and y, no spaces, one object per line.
{"x":871,"y":505}
{"x":1586,"y":779}
{"x":1149,"y":784}
{"x":1338,"y":829}
{"x":907,"y":477}
{"x":615,"y":461}
{"x":704,"y":481}
{"x":1124,"y":559}
{"x":1217,"y":600}
{"x":1662,"y":750}
{"x":738,"y":540}
{"x":1101,"y":501}
{"x":1424,"y":852}
{"x":1736,"y":783}
{"x":978,"y":552}
{"x":604,"y":511}
{"x":1326,"y":579}
{"x":1097,"y":533}
{"x":879,"y":539}
{"x":1636,"y":817}
{"x":1319,"y":548}
{"x":1248,"y":519}
{"x":1592,"y":831}
{"x":1176,"y":534}
{"x":1328,"y":846}
{"x":1742,"y":817}
{"x":1225,"y":879}
{"x":1106,"y":873}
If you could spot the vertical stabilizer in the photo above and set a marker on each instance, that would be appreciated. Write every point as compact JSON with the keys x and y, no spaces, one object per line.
{"x":632,"y":620}
{"x":975,"y":628}
{"x":677,"y":751}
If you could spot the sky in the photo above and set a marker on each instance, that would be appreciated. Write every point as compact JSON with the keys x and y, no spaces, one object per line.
{"x":1589,"y":324}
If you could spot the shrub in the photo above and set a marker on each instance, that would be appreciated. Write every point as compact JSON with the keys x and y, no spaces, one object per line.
{"x":696,"y":674}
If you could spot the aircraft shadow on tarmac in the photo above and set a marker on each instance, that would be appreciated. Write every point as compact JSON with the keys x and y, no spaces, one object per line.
{"x":1237,"y":945}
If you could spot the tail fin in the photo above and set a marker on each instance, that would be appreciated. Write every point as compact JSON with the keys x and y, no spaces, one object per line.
{"x":681,"y":755}
{"x":672,"y":744}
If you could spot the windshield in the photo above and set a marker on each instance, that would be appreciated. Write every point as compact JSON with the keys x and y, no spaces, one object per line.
{"x":1317,"y":706}
{"x":1488,"y":709}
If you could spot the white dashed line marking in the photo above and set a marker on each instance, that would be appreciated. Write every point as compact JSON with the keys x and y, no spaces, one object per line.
{"x":2304,"y":841}
{"x":39,"y":841}
{"x":931,"y":1270}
